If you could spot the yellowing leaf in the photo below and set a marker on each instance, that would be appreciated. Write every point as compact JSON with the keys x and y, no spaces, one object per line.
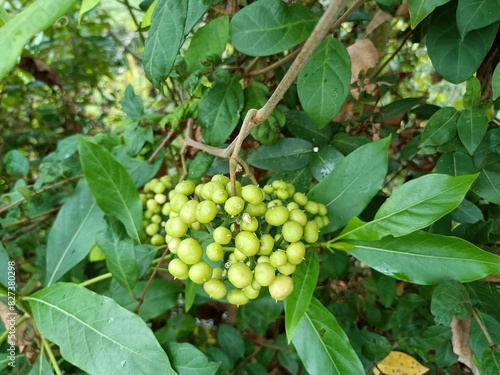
{"x":401,"y":364}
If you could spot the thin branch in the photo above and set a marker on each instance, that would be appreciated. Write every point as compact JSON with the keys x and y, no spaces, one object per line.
{"x":400,"y":47}
{"x":161,"y":146}
{"x":187,"y":135}
{"x":32,"y":218}
{"x":137,"y":24}
{"x":276,"y":64}
{"x":486,"y":334}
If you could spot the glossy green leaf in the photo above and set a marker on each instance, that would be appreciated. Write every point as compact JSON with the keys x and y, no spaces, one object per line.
{"x":478,"y":342}
{"x":490,"y":362}
{"x":456,"y":164}
{"x":230,"y":341}
{"x":425,"y":258}
{"x":287,"y":155}
{"x":323,"y":83}
{"x":399,"y":107}
{"x":199,"y":166}
{"x":4,"y":263}
{"x":324,"y":161}
{"x":219,"y":110}
{"x":495,"y":82}
{"x":456,"y":58}
{"x":112,"y":187}
{"x":171,"y":21}
{"x":208,"y":42}
{"x":301,"y":126}
{"x":441,"y":128}
{"x":161,"y":297}
{"x":188,"y":360}
{"x":89,"y":330}
{"x":145,"y":254}
{"x":16,"y":164}
{"x":419,"y":9}
{"x":472,"y":125}
{"x":449,"y":299}
{"x":259,"y":314}
{"x":73,"y":233}
{"x":322,"y":345}
{"x":413,"y":206}
{"x":132,"y":103}
{"x":487,"y":185}
{"x":87,"y":6}
{"x":304,"y":281}
{"x":472,"y":96}
{"x":467,"y":212}
{"x":267,"y":27}
{"x":354,"y":181}
{"x":120,"y":252}
{"x":15,"y":34}
{"x":347,"y":144}
{"x":476,"y":14}
{"x":42,"y":365}
{"x":140,"y":170}
{"x":190,"y":293}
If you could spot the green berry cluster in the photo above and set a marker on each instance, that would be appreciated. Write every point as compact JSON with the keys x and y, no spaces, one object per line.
{"x":255,"y":238}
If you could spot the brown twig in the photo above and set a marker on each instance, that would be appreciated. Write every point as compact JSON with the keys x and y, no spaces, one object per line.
{"x":400,"y":47}
{"x":32,"y":218}
{"x":486,"y":334}
{"x":162,"y":144}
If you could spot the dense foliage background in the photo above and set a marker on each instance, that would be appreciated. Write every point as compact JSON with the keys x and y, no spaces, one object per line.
{"x":392,"y":124}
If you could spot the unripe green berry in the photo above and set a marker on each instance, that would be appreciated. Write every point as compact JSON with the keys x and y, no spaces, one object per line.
{"x":258,"y":209}
{"x":215,"y":288}
{"x":185,"y":187}
{"x":322,"y":210}
{"x":152,"y":229}
{"x":298,"y":216}
{"x":175,"y":227}
{"x":237,"y":297}
{"x":232,"y":258}
{"x":240,"y":275}
{"x":200,"y":272}
{"x":159,"y":188}
{"x":166,"y":209}
{"x":177,"y":201}
{"x":300,"y":198}
{"x":239,"y":255}
{"x":214,"y":251}
{"x":221,"y":178}
{"x":266,"y":244}
{"x":160,"y":198}
{"x":278,"y":258}
{"x":282,"y":194}
{"x":278,"y":184}
{"x":151,"y":205}
{"x":268,"y":189}
{"x":234,"y":206}
{"x":248,"y":223}
{"x":247,"y":243}
{"x":220,"y":196}
{"x":292,"y":206}
{"x":252,"y":194}
{"x":264,"y":274}
{"x":291,"y":189}
{"x":206,"y":211}
{"x":295,"y":252}
{"x":189,"y":251}
{"x":196,"y":226}
{"x":143,"y":198}
{"x":178,"y":269}
{"x":209,"y":188}
{"x":311,"y":232}
{"x":312,"y":207}
{"x":281,"y":287}
{"x":157,"y":240}
{"x":167,"y":181}
{"x":217,"y":273}
{"x":277,"y":216}
{"x":275,"y":203}
{"x":188,"y":212}
{"x":172,"y":244}
{"x":199,"y":189}
{"x":222,"y":235}
{"x":156,"y":219}
{"x":250,"y":292}
{"x":237,"y":188}
{"x":287,"y":269}
{"x":263,"y":259}
{"x":292,"y":231}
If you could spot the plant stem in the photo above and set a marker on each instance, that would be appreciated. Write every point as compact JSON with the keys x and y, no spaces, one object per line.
{"x":162,"y":144}
{"x":51,"y":356}
{"x":137,"y":24}
{"x":97,"y":279}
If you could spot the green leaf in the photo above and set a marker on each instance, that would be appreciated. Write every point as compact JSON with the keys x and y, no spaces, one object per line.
{"x":352,"y":184}
{"x":15,"y":34}
{"x":209,"y":41}
{"x":490,"y":362}
{"x":413,"y":206}
{"x":140,"y":170}
{"x":41,"y":366}
{"x":172,"y":20}
{"x":267,"y":27}
{"x":259,"y":314}
{"x":304,"y":281}
{"x":472,"y":125}
{"x":190,"y":293}
{"x":4,"y":263}
{"x":476,"y":14}
{"x":87,"y":5}
{"x":456,"y":58}
{"x":419,"y":9}
{"x":495,"y":82}
{"x":478,"y":342}
{"x":324,"y":161}
{"x":487,"y":185}
{"x":399,"y":107}
{"x":425,"y":258}
{"x":322,"y":345}
{"x":449,"y":299}
{"x":120,"y":252}
{"x":323,"y":83}
{"x":467,"y":212}
{"x":16,"y":163}
{"x":219,"y":110}
{"x":188,"y":360}
{"x":455,"y":163}
{"x":288,"y":154}
{"x":300,"y":178}
{"x":73,"y":233}
{"x":441,"y":128}
{"x":145,"y":255}
{"x":161,"y":297}
{"x":301,"y":126}
{"x":199,"y":166}
{"x":112,"y":187}
{"x":472,"y":96}
{"x":132,"y":103}
{"x":230,"y":341}
{"x":347,"y":144}
{"x":89,"y":330}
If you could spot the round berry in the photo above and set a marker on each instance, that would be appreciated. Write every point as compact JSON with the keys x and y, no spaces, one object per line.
{"x":152,"y":229}
{"x":264,"y":274}
{"x":292,"y":231}
{"x":237,"y":297}
{"x":178,"y":269}
{"x":221,"y":178}
{"x":215,"y":288}
{"x":312,"y":207}
{"x":287,"y":269}
{"x":237,"y":188}
{"x":209,"y":188}
{"x":247,"y":243}
{"x":311,"y":232}
{"x":177,"y":201}
{"x":166,"y":209}
{"x":185,"y":187}
{"x":298,"y":216}
{"x":258,"y":209}
{"x":292,"y":206}
{"x":278,"y":184}
{"x":282,"y":194}
{"x":151,"y":204}
{"x":281,"y":287}
{"x":250,"y":292}
{"x":157,"y":240}
{"x":240,"y":275}
{"x":175,"y":227}
{"x":156,"y":219}
{"x":278,"y":259}
{"x":160,"y":198}
{"x":222,"y":235}
{"x":249,"y":223}
{"x":189,"y":251}
{"x":206,"y":211}
{"x":160,"y":187}
{"x":188,"y":212}
{"x":295,"y":252}
{"x":277,"y":215}
{"x":234,"y":206}
{"x":252,"y":194}
{"x":266,"y":244}
{"x":263,"y":259}
{"x":220,"y":196}
{"x":214,"y":251}
{"x":322,"y":210}
{"x":239,"y":255}
{"x":172,"y":244}
{"x":300,"y":198}
{"x":200,"y":272}
{"x":268,"y":189}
